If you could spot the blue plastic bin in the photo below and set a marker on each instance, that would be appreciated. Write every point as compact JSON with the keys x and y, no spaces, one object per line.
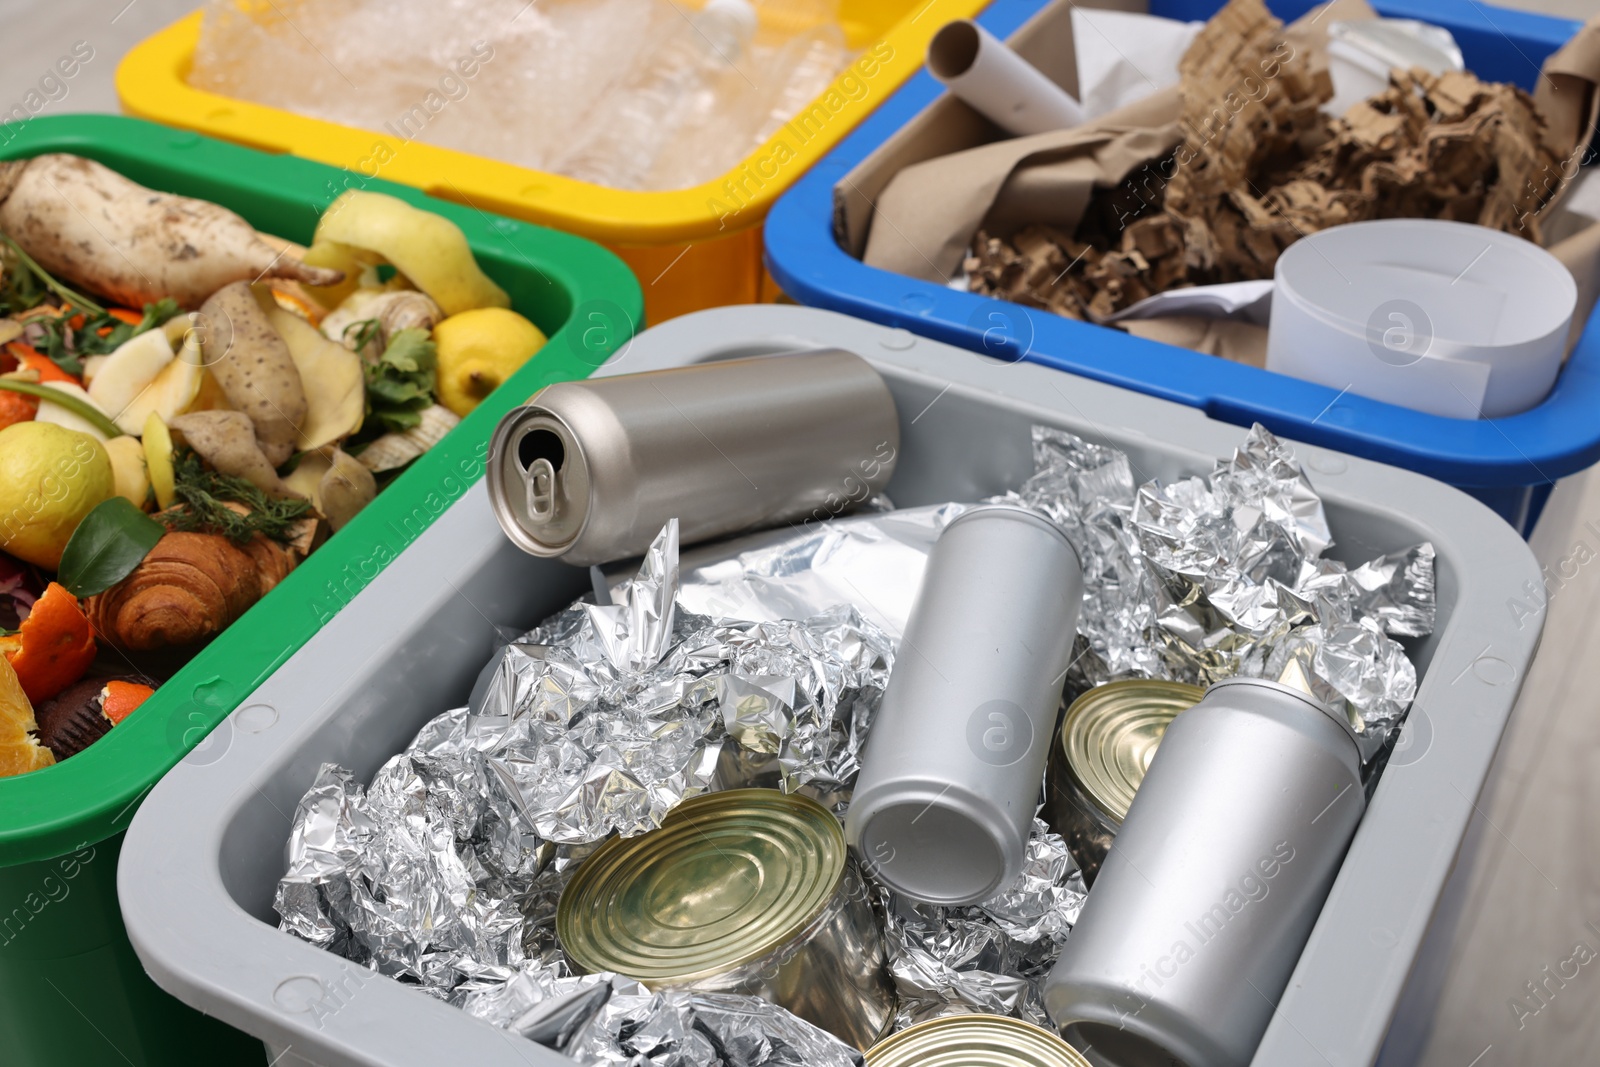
{"x":1509,"y":463}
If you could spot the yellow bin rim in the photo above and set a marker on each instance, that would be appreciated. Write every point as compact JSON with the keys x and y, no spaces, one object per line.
{"x":152,"y":83}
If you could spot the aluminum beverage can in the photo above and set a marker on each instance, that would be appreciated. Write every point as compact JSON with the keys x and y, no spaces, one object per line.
{"x":954,"y":765}
{"x":1214,"y":882}
{"x":974,"y":1041}
{"x":746,"y":891}
{"x":1107,"y":740}
{"x":590,"y":471}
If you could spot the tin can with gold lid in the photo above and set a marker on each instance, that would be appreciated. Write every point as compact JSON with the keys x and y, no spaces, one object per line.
{"x":974,"y":1041}
{"x":1108,"y":738}
{"x":746,"y":891}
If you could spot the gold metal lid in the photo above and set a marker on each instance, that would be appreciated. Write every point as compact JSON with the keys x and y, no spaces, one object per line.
{"x":974,"y":1041}
{"x":1111,"y":733}
{"x":728,"y":879}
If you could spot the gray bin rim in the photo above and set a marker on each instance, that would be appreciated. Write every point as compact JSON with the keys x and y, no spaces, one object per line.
{"x":200,"y":944}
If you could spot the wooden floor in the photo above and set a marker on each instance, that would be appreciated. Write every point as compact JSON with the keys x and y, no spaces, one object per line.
{"x":1535,"y":884}
{"x":1533,"y":909}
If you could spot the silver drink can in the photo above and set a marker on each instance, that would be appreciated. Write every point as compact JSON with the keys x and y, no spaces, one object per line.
{"x":591,"y":470}
{"x":1214,"y":882}
{"x":953,"y":768}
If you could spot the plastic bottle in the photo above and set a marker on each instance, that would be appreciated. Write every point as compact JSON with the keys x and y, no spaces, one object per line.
{"x":638,"y":118}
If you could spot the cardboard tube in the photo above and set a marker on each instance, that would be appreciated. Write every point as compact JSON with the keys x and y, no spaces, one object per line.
{"x":999,"y":84}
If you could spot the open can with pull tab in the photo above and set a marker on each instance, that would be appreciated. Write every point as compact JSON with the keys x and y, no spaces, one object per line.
{"x":590,"y":471}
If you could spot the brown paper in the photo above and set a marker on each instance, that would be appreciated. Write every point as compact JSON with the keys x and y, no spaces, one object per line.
{"x":1567,"y":96}
{"x":924,"y":221}
{"x":1580,"y":253}
{"x":1088,"y":221}
{"x":1241,"y":342}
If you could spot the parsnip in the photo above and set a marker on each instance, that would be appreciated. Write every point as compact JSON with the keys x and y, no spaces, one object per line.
{"x":99,"y":231}
{"x":224,"y":440}
{"x":254,"y":367}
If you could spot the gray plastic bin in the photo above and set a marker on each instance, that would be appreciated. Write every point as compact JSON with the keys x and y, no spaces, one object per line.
{"x":205,"y":852}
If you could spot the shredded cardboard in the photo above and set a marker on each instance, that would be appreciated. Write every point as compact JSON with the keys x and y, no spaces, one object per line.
{"x":1258,"y":166}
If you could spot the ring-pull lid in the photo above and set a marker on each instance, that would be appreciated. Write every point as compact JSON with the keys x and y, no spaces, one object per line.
{"x":542,"y":481}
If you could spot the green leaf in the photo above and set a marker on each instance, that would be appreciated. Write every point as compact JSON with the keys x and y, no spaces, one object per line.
{"x":107,"y":545}
{"x":400,"y":384}
{"x":411,"y":351}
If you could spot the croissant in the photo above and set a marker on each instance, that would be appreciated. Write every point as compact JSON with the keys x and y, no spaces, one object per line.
{"x":190,"y":588}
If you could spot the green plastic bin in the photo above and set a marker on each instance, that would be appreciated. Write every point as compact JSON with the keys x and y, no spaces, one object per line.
{"x":71,"y":990}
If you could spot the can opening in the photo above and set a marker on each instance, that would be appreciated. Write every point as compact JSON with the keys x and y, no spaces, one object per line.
{"x":540,"y":444}
{"x":1111,"y":1046}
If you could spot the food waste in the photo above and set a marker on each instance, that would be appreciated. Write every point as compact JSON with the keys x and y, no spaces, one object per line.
{"x":189,"y":408}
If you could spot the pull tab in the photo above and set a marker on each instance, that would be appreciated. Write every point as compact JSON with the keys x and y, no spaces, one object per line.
{"x":541,"y":490}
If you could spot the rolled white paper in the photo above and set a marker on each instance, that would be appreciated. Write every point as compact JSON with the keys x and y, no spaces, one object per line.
{"x":997,"y":83}
{"x":1443,"y":317}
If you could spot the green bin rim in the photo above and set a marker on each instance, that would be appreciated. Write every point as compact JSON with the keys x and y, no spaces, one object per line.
{"x":93,"y":795}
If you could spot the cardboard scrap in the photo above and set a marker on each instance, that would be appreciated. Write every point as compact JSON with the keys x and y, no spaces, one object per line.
{"x":1258,"y":166}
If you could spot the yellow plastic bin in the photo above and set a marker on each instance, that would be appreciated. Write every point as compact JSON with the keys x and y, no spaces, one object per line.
{"x":691,"y":248}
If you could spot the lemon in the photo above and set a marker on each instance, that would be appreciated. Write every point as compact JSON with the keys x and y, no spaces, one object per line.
{"x":50,"y":478}
{"x":478,"y":350}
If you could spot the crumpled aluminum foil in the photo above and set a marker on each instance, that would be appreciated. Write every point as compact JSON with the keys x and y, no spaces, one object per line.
{"x":1203,"y":579}
{"x":679,"y":1028}
{"x":445,"y":871}
{"x":991,"y":957}
{"x":872,"y":560}
{"x":447,"y":868}
{"x":606,"y":1019}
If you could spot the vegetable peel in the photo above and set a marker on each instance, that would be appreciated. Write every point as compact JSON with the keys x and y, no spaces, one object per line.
{"x":427,"y":248}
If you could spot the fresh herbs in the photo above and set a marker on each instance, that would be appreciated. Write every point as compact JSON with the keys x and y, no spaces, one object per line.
{"x":80,"y":327}
{"x":44,"y":278}
{"x":358,"y":335}
{"x":206,"y":494}
{"x":108,"y":544}
{"x":66,"y":341}
{"x":400,"y":383}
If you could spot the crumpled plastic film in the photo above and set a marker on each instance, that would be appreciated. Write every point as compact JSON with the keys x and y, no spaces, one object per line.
{"x":678,"y":1028}
{"x":991,"y":957}
{"x":447,"y":868}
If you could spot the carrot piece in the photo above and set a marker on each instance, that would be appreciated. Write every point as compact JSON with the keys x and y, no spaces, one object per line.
{"x":57,"y":645}
{"x":119,"y":699}
{"x":32,"y":359}
{"x":132,"y":318}
{"x":15,"y":408}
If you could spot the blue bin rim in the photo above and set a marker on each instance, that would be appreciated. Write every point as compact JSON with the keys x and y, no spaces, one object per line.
{"x":1558,"y":437}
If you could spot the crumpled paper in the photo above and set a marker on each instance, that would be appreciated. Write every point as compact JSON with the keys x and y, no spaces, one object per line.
{"x":991,"y":957}
{"x":1261,"y":166}
{"x":447,"y":868}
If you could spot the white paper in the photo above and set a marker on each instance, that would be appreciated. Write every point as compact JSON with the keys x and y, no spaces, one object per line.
{"x":1441,"y":317}
{"x":1239,"y":301}
{"x":1362,"y":52}
{"x":1123,"y":57}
